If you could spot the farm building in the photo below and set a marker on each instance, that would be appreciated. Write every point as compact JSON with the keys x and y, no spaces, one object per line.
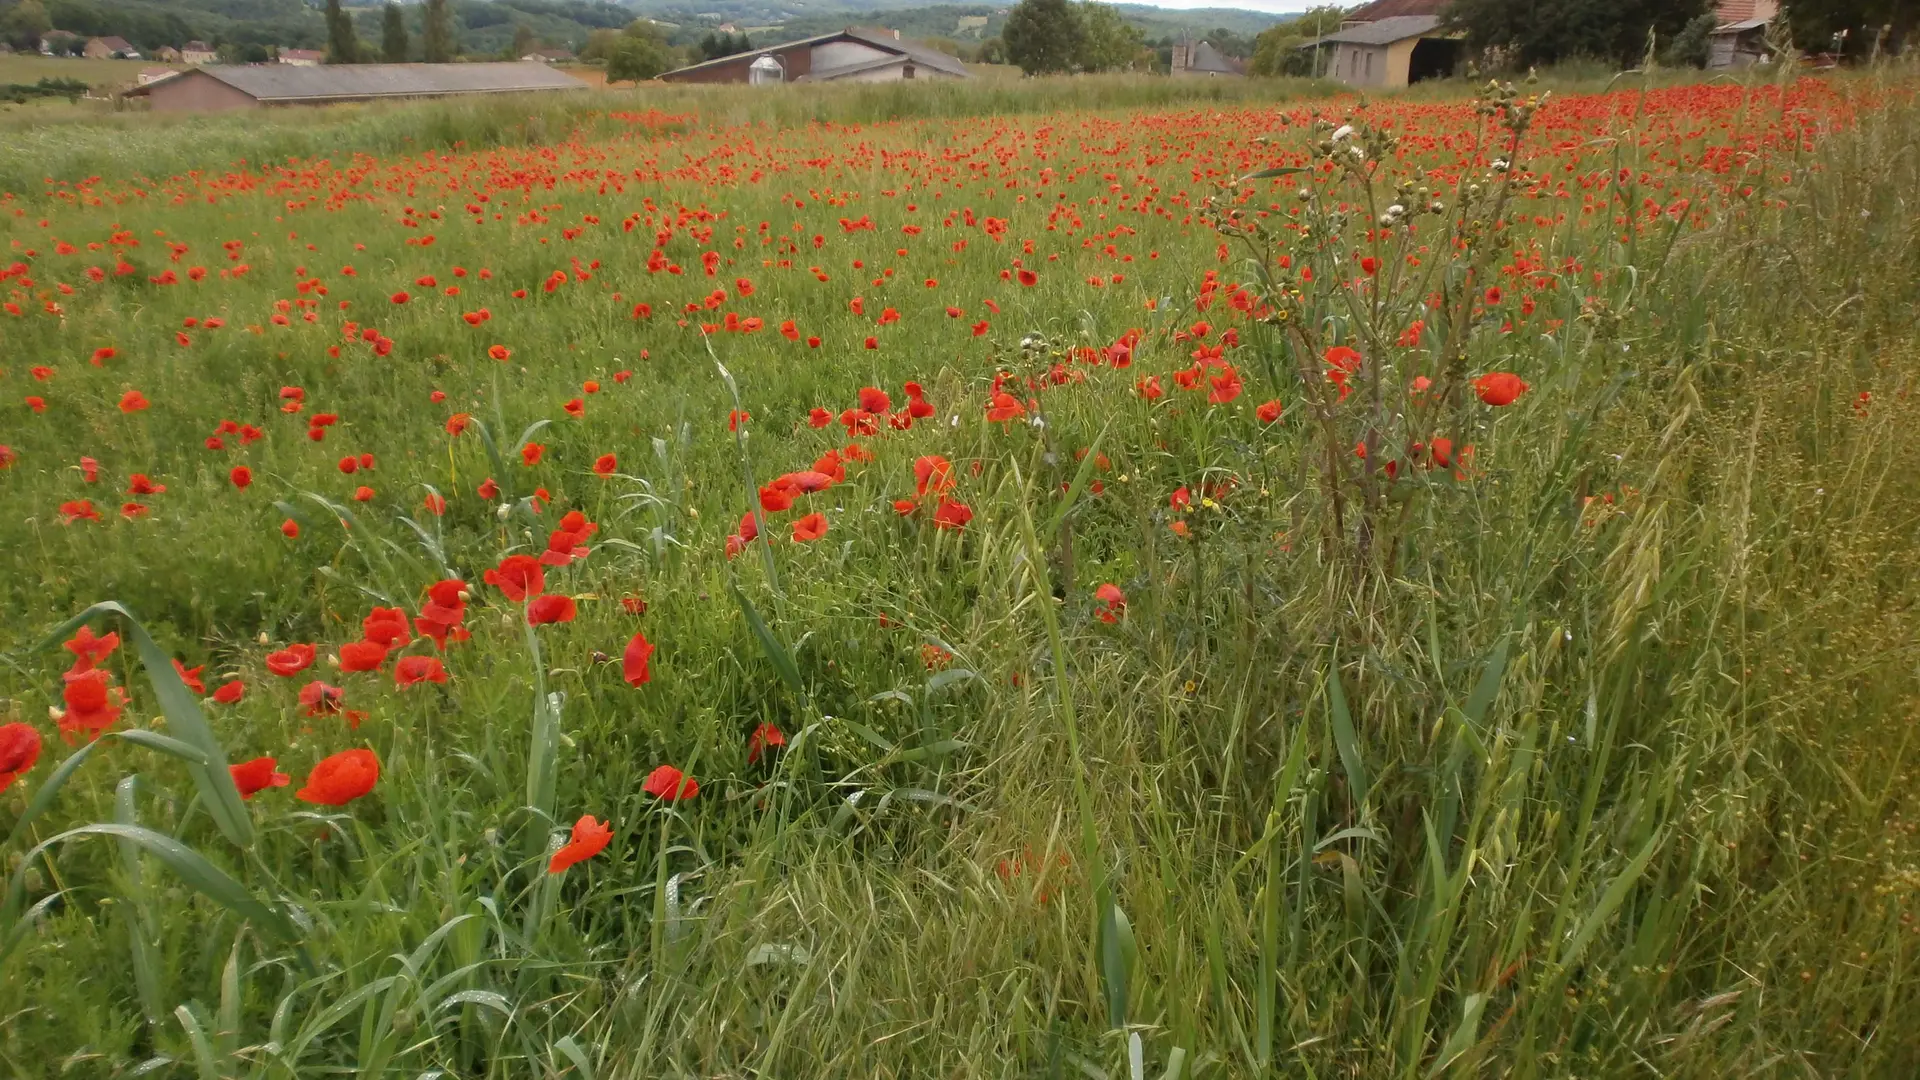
{"x":1740,"y":37}
{"x":1390,"y":43}
{"x":848,"y":55}
{"x":1200,"y":58}
{"x":197,"y":52}
{"x":110,"y":48}
{"x":206,"y":89}
{"x":301,"y":57}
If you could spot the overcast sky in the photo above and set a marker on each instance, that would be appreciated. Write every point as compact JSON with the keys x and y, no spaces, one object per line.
{"x":1275,"y":7}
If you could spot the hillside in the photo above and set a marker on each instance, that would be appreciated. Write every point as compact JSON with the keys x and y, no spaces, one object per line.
{"x":486,"y":27}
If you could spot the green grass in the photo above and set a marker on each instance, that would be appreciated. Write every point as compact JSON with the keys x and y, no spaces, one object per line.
{"x":1429,"y":775}
{"x":30,"y":68}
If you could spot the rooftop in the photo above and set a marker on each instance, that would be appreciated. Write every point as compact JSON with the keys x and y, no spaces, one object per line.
{"x":1384,"y":31}
{"x":884,"y":40}
{"x":347,"y":82}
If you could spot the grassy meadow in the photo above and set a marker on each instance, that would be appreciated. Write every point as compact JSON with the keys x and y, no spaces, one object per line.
{"x":1271,"y":584}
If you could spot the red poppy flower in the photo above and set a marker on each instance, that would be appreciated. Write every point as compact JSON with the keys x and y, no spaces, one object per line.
{"x":551,"y":608}
{"x":411,"y":670}
{"x":103,"y":353}
{"x":634,"y":664}
{"x":19,"y":751}
{"x":1226,"y":387}
{"x":605,"y":465}
{"x":764,"y":738}
{"x":362,"y":656}
{"x":499,"y":352}
{"x":1028,"y":277}
{"x":819,"y":418}
{"x":133,"y":401}
{"x":241,"y":476}
{"x":749,"y":527}
{"x":531,"y":453}
{"x":1267,"y":411}
{"x":363,"y":493}
{"x":387,"y":626}
{"x":190,"y":676}
{"x":252,"y":777}
{"x":290,"y":529}
{"x":1005,"y":407}
{"x":1114,"y":600}
{"x":874,"y":400}
{"x":1498,"y":388}
{"x":230,"y":692}
{"x":903,"y":507}
{"x":488,"y":489}
{"x":341,"y":778}
{"x":810,"y":528}
{"x":458,"y":422}
{"x":321,"y":699}
{"x":670,"y":784}
{"x":78,"y":510}
{"x":932,"y":473}
{"x":92,"y":706}
{"x":518,"y":576}
{"x":589,"y":839}
{"x":290,"y":661}
{"x":399,"y":297}
{"x":138,"y":484}
{"x":952,"y":515}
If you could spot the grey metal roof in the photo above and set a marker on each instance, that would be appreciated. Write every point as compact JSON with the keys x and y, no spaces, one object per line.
{"x":1383,"y":31}
{"x":885,"y":42}
{"x":1204,"y":57}
{"x":361,"y":82}
{"x":922,"y":55}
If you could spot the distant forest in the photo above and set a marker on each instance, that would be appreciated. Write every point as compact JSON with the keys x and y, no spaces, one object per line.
{"x":245,"y":29}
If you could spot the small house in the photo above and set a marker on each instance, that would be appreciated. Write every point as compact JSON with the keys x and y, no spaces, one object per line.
{"x":846,"y":56}
{"x":1202,"y":59}
{"x":1391,"y":52}
{"x":197,"y":52}
{"x":1740,"y":36}
{"x":549,"y":56}
{"x":302,"y":57}
{"x":110,"y":48}
{"x":151,"y":75}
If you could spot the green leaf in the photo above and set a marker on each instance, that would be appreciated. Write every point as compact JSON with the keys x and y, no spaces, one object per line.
{"x":1344,"y":738}
{"x":1080,"y":478}
{"x":204,"y":1057}
{"x":185,"y":719}
{"x":776,"y":652}
{"x":188,"y":865}
{"x":1117,"y":953}
{"x":1270,"y":174}
{"x":575,"y":1054}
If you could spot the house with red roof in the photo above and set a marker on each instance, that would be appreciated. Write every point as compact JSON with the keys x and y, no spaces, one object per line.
{"x":1740,"y":38}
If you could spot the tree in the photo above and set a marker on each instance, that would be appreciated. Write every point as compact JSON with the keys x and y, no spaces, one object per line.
{"x":993,"y":51}
{"x":1544,"y":31}
{"x":1851,"y":26}
{"x":343,"y":43}
{"x":437,"y":36}
{"x":1277,"y":50}
{"x":714,"y":46}
{"x":1044,"y":37}
{"x":639,"y":54}
{"x":393,"y":36}
{"x":1691,"y":47}
{"x":24,"y":24}
{"x":1110,"y":42}
{"x":523,"y":42}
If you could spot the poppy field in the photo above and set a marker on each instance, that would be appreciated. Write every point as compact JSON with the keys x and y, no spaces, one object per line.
{"x":1412,"y":587}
